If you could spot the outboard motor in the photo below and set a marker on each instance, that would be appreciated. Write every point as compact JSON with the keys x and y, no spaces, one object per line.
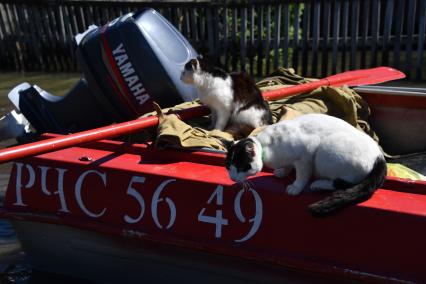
{"x":126,"y":64}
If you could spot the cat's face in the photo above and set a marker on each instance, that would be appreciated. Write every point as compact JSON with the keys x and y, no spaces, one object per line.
{"x":191,"y":67}
{"x":243,"y":159}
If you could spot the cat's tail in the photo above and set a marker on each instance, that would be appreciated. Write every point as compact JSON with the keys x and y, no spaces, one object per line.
{"x":352,"y":195}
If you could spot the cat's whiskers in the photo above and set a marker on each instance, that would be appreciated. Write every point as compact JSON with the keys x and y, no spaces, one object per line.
{"x":250,"y":184}
{"x":242,"y":184}
{"x":246,"y":185}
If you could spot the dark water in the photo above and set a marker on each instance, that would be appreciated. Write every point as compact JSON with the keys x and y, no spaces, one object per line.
{"x":14,"y":267}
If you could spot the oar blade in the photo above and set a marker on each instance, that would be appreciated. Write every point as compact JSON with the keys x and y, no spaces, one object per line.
{"x":350,"y":78}
{"x":366,"y":77}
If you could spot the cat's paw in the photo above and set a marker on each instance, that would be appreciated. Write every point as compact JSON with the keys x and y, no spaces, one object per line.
{"x":293,"y":189}
{"x":281,"y":173}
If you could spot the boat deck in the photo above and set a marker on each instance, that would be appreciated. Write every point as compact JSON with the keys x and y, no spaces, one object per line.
{"x":416,"y":161}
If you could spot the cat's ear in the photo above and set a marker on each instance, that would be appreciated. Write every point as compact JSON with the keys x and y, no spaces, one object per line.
{"x":194,"y":64}
{"x":227,"y":143}
{"x":199,"y":57}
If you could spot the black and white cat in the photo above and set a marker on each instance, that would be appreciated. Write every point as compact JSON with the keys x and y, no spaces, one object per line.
{"x":234,"y":100}
{"x":342,"y":159}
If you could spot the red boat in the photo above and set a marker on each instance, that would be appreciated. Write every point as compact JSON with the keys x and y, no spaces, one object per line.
{"x":116,"y":212}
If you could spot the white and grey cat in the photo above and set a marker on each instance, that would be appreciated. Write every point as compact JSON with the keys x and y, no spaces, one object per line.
{"x":234,"y":100}
{"x":342,"y":158}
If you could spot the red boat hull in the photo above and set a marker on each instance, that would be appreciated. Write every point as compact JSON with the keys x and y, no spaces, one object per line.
{"x":186,"y":199}
{"x":130,"y":197}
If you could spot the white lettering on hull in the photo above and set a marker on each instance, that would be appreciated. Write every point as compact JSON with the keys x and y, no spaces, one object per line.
{"x":59,"y":191}
{"x":78,"y":197}
{"x":135,"y":192}
{"x":18,"y":184}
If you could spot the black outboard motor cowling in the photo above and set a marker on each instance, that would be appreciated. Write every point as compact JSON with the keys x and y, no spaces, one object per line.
{"x":126,"y":64}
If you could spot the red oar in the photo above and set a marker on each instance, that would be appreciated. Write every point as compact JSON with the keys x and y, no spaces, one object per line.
{"x":351,"y":78}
